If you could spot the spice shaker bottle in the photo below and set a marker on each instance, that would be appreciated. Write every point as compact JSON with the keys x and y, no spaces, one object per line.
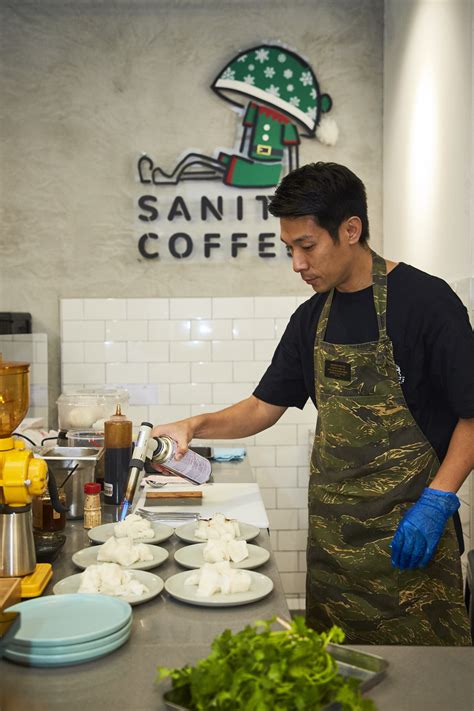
{"x":192,"y":466}
{"x":92,"y":510}
{"x":118,"y":450}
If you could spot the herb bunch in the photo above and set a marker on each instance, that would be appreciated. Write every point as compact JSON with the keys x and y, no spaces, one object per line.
{"x":260,"y":669}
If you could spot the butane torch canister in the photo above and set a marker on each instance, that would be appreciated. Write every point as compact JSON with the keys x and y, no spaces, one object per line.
{"x":118,"y":449}
{"x":192,"y":466}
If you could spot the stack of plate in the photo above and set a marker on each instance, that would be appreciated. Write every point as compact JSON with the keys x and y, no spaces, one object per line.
{"x":68,"y":629}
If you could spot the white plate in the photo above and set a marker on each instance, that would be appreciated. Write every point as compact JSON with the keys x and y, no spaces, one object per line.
{"x":192,"y":557}
{"x":247,"y":532}
{"x":100,"y":534}
{"x":153,"y":582}
{"x":261,"y":587}
{"x":88,"y":556}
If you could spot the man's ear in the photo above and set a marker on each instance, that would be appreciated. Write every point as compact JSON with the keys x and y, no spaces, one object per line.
{"x":353,"y":229}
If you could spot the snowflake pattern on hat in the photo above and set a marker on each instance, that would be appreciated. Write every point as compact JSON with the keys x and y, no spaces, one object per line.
{"x":262,"y":73}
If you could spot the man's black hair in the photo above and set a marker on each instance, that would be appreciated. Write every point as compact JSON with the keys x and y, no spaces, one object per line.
{"x":328,"y":192}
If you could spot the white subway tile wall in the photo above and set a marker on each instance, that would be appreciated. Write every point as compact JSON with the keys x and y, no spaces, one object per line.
{"x":180,"y":357}
{"x":31,"y":348}
{"x":184,"y":356}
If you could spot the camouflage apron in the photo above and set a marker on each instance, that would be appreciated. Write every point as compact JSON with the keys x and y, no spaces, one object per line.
{"x":370,"y":462}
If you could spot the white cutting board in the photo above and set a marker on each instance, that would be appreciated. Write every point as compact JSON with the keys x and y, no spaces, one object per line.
{"x":240,"y":501}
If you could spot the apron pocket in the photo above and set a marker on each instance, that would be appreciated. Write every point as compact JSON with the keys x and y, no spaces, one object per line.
{"x":351,"y":431}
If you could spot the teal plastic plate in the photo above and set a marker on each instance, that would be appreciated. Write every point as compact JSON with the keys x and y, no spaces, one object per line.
{"x":64,"y":660}
{"x":70,"y":619}
{"x":67,"y":649}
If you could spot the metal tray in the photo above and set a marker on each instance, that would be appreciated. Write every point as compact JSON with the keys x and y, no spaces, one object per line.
{"x":66,"y":457}
{"x":368,"y":668}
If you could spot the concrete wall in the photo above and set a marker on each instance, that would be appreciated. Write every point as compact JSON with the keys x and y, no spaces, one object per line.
{"x":428,"y":151}
{"x":428,"y":134}
{"x":87,"y":86}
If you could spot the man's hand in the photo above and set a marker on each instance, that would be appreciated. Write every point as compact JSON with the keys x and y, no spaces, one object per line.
{"x":421,"y":528}
{"x":181,"y":431}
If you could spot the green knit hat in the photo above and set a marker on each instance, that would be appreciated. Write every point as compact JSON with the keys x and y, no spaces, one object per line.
{"x":278,"y":77}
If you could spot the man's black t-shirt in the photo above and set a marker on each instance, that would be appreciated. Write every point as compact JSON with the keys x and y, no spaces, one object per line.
{"x":433,"y":345}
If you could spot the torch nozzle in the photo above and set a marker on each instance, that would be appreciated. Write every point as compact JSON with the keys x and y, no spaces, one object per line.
{"x":125,"y":506}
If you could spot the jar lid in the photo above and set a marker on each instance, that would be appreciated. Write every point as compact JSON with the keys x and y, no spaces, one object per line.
{"x":91,"y":488}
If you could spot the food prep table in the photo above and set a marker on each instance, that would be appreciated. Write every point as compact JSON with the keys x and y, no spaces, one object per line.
{"x":169,"y":633}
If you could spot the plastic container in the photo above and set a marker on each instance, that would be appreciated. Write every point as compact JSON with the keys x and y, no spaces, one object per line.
{"x":87,"y":409}
{"x":89,"y":438}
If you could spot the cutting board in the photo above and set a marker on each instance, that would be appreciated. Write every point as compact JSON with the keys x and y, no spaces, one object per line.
{"x":240,"y":501}
{"x":163,"y":498}
{"x":10,"y":592}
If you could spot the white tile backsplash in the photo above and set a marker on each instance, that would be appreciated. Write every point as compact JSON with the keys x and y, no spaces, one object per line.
{"x":211,"y":329}
{"x":123,"y":373}
{"x":231,"y":392}
{"x":190,"y":308}
{"x":232,"y":350}
{"x":149,"y":309}
{"x":248,"y":371}
{"x":83,"y":331}
{"x":83,"y":373}
{"x":190,"y":394}
{"x":264,"y":350}
{"x":105,"y":309}
{"x":72,"y":351}
{"x":105,"y":352}
{"x":71,"y":309}
{"x":238,"y":307}
{"x":178,"y":330}
{"x":169,"y":372}
{"x":190,"y":351}
{"x":148,"y":351}
{"x":126,"y":330}
{"x":183,"y":357}
{"x":211,"y":372}
{"x":275,"y":306}
{"x":253,"y":329}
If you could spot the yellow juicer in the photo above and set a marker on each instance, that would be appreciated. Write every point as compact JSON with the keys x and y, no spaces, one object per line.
{"x":21,"y":477}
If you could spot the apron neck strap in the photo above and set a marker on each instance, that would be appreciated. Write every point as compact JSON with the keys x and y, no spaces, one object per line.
{"x":379,"y":277}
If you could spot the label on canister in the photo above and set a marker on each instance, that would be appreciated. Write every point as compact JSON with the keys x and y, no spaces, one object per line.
{"x":108,"y":488}
{"x":192,"y":465}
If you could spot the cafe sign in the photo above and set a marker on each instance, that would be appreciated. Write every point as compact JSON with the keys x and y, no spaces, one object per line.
{"x":279,"y":101}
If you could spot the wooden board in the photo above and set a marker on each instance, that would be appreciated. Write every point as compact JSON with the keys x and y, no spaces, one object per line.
{"x":10,"y":592}
{"x":174,"y":494}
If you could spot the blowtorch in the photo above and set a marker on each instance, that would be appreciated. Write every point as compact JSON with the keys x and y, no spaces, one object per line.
{"x":143,"y":450}
{"x":161,"y":450}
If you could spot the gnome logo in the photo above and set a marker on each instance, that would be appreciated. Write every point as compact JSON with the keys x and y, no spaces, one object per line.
{"x":281,"y":101}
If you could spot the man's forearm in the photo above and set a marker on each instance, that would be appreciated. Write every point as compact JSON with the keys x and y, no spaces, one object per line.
{"x":243,"y":419}
{"x":459,"y":460}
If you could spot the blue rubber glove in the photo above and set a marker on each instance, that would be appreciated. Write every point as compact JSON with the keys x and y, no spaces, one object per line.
{"x":421,"y":528}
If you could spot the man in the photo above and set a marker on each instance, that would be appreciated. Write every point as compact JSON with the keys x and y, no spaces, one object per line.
{"x":385,"y":352}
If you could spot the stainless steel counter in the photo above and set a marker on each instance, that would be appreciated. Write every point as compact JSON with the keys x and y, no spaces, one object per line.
{"x":170,"y":633}
{"x":164,"y":632}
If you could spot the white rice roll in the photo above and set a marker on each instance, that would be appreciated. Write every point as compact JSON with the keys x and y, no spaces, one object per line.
{"x":240,"y":582}
{"x":237,"y":551}
{"x":214,"y":551}
{"x":134,"y":527}
{"x":209,"y":582}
